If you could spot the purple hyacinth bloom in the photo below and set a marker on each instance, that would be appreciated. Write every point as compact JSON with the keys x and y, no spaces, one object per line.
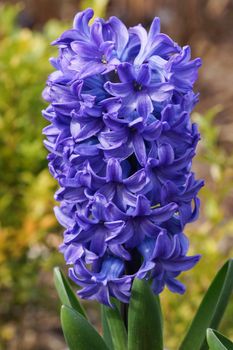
{"x":121,"y":145}
{"x":141,"y":221}
{"x":168,"y":254}
{"x":103,"y":282}
{"x":138,"y":90}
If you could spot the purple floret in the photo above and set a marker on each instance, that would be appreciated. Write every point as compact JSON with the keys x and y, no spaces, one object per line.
{"x":121,"y":145}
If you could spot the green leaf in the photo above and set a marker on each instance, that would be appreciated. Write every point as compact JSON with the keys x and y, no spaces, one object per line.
{"x":211,"y":310}
{"x":145,"y":319}
{"x":79,"y":333}
{"x":65,"y":292}
{"x":217,"y":341}
{"x":105,"y":329}
{"x":116,"y":327}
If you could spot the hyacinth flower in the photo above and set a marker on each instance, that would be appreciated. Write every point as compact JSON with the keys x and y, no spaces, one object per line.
{"x":122,"y":142}
{"x":121,"y":145}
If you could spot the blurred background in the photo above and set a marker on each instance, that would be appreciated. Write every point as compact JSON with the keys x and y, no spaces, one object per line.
{"x":29,"y":234}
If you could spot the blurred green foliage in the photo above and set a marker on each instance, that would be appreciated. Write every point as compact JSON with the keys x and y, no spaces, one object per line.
{"x":99,"y":6}
{"x":26,"y":189}
{"x":28,"y":231}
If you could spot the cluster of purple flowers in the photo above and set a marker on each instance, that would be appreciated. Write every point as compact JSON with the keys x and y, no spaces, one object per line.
{"x":121,"y":145}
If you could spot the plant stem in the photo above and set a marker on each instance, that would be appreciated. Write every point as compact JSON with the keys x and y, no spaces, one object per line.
{"x":124,"y":314}
{"x":131,"y":267}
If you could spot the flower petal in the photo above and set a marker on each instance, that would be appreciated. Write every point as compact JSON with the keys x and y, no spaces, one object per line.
{"x":126,"y":72}
{"x":114,"y":171}
{"x":175,"y":286}
{"x":144,"y":75}
{"x":121,"y":34}
{"x":144,"y":105}
{"x":139,"y":148}
{"x":160,"y":92}
{"x":118,"y":89}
